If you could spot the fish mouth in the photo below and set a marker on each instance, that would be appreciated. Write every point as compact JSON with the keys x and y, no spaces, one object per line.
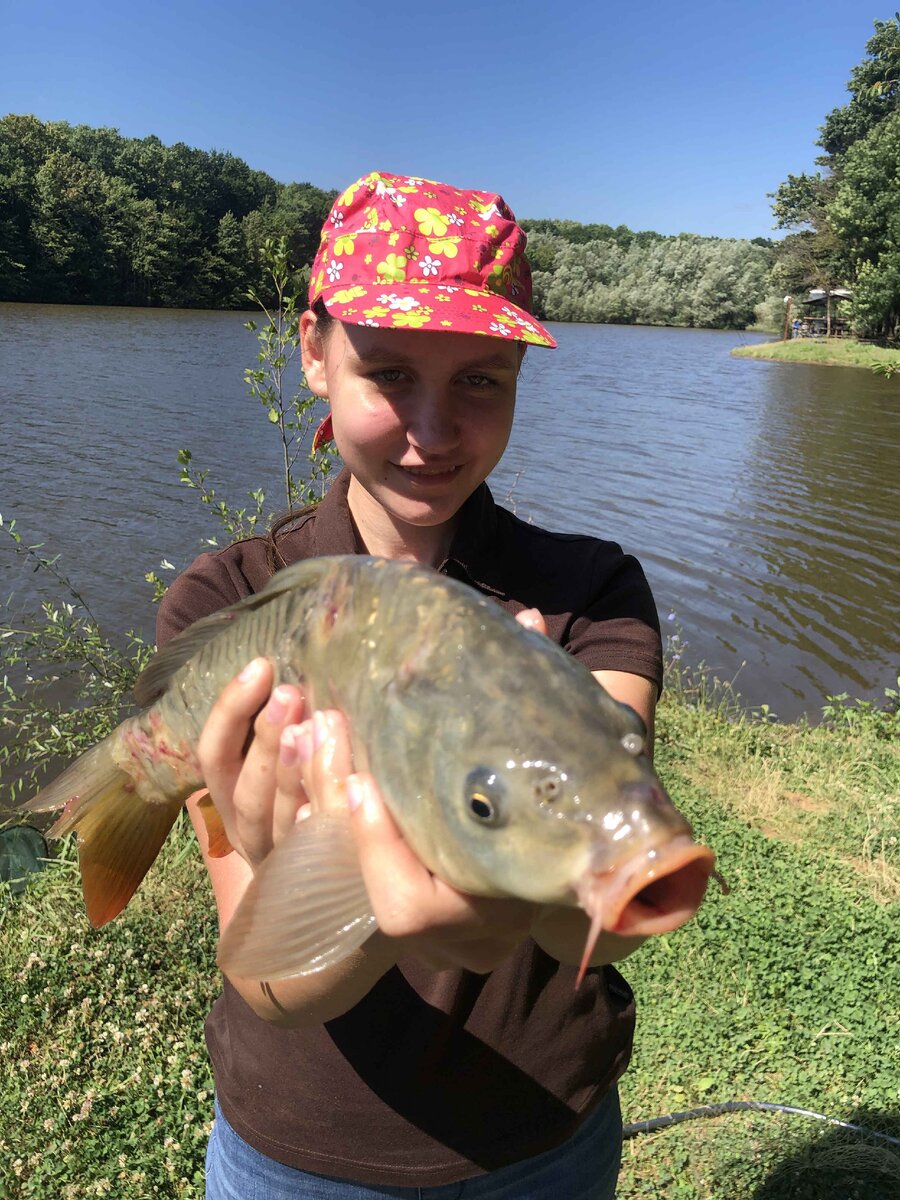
{"x":656,"y":891}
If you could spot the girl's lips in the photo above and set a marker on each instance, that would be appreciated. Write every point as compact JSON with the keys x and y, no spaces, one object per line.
{"x":425,"y":476}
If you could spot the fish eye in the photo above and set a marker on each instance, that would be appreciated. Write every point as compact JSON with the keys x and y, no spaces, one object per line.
{"x":484,"y":796}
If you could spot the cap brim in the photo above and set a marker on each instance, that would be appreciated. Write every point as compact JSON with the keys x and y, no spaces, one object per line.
{"x":439,"y":308}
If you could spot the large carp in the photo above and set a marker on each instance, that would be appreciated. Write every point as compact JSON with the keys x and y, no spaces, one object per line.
{"x":510,"y":771}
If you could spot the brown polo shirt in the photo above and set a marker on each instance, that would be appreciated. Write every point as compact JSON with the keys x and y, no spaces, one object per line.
{"x":435,"y":1077}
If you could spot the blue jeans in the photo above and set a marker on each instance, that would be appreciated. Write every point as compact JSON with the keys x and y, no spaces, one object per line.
{"x":583,"y":1168}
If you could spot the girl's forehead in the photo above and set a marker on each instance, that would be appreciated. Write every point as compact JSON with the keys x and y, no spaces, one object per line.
{"x":375,"y":346}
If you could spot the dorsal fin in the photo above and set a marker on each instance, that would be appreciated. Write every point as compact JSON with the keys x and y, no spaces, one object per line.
{"x":154,"y":679}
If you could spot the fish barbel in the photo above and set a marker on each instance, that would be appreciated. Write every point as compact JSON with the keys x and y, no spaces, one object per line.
{"x":509,"y":770}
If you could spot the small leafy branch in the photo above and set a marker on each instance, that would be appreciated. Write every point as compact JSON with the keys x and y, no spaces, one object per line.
{"x":41,"y":661}
{"x":279,"y":348}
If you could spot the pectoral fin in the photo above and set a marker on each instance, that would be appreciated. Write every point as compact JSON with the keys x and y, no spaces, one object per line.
{"x":217,"y":843}
{"x":305,"y":909}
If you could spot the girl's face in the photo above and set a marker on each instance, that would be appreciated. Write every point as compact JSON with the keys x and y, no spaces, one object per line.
{"x":420,"y":418}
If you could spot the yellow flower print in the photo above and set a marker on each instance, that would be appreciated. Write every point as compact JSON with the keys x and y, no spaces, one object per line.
{"x":478,"y":308}
{"x":431,"y":222}
{"x":370,"y":221}
{"x":449,"y":324}
{"x":491,"y":230}
{"x":394,"y":238}
{"x":367,"y":260}
{"x":343,"y":243}
{"x":442,"y":296}
{"x":348,"y":294}
{"x":392,"y":270}
{"x":445,"y":245}
{"x":377,"y":310}
{"x":385,"y":226}
{"x":414,"y":319}
{"x":349,"y":194}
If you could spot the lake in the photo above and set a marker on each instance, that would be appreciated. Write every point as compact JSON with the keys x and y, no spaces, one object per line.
{"x":761,"y":498}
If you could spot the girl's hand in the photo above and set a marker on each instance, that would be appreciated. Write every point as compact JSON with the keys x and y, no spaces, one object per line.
{"x":425,"y":917}
{"x":255,"y":791}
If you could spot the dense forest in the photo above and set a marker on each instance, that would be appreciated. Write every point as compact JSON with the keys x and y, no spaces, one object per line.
{"x":844,"y":221}
{"x":91,"y":217}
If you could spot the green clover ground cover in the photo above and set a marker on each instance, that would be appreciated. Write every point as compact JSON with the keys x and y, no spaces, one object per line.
{"x":785,"y":990}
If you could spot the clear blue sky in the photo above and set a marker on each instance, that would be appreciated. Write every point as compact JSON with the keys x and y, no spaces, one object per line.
{"x":658,"y":114}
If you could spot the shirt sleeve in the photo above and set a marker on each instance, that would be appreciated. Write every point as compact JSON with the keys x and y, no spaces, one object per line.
{"x":619,"y":628}
{"x":205,"y":587}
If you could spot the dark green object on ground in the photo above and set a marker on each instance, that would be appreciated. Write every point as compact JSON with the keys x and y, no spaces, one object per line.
{"x":23,"y":851}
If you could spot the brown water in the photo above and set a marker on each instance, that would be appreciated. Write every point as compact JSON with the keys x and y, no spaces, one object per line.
{"x":761,"y":498}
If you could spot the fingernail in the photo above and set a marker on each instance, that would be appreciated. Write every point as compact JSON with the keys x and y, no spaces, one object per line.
{"x":355,"y":792}
{"x":321,"y":732}
{"x":303,"y":740}
{"x":252,"y":670}
{"x":288,"y":749}
{"x":277,"y":706}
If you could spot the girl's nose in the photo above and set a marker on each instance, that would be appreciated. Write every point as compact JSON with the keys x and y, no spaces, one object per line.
{"x":433,"y":427}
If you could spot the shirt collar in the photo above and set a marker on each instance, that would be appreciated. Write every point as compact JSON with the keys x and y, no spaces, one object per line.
{"x":474,"y":554}
{"x":333,"y":529}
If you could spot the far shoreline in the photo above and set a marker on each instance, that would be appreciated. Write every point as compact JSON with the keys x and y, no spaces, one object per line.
{"x":820,"y":352}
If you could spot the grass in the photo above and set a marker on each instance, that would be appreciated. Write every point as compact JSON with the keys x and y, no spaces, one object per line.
{"x":785,"y":990}
{"x":831,"y":352}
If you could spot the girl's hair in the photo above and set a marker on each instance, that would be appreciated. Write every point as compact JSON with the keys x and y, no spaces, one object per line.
{"x":286,"y":520}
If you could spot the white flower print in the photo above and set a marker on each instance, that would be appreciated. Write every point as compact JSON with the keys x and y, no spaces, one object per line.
{"x":333,"y":270}
{"x":429,"y":265}
{"x":447,"y":287}
{"x":495,"y":327}
{"x":337,"y":218}
{"x":454,"y":219}
{"x":392,"y":194}
{"x":369,"y":321}
{"x":404,"y":303}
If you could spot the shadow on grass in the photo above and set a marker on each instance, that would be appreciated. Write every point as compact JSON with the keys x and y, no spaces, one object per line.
{"x":840,"y":1165}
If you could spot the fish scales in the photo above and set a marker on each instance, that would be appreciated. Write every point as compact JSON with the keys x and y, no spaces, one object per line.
{"x":508,"y":768}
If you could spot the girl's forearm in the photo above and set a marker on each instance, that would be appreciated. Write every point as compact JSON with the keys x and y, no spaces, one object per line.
{"x":313,"y":999}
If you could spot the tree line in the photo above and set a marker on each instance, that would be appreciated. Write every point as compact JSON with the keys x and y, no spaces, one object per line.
{"x":89,"y":216}
{"x":844,"y":220}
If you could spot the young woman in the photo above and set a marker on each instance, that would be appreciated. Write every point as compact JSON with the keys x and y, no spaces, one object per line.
{"x":451,"y":1056}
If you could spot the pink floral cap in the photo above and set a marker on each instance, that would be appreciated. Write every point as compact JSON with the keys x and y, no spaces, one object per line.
{"x":400,"y":252}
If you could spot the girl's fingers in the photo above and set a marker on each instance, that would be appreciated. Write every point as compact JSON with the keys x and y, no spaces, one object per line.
{"x":331,"y":762}
{"x":225,"y":734}
{"x":532,"y":618}
{"x":441,"y":926}
{"x":291,"y":800}
{"x":324,"y":773}
{"x":255,"y":788}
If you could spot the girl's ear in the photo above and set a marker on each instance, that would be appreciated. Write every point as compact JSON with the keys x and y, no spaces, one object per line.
{"x":312,"y":349}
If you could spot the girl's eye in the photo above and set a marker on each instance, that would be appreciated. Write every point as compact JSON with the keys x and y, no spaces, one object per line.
{"x":387,"y":375}
{"x":479,"y":381}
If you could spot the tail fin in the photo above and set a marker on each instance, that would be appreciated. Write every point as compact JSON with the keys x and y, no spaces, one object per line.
{"x":119,"y":832}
